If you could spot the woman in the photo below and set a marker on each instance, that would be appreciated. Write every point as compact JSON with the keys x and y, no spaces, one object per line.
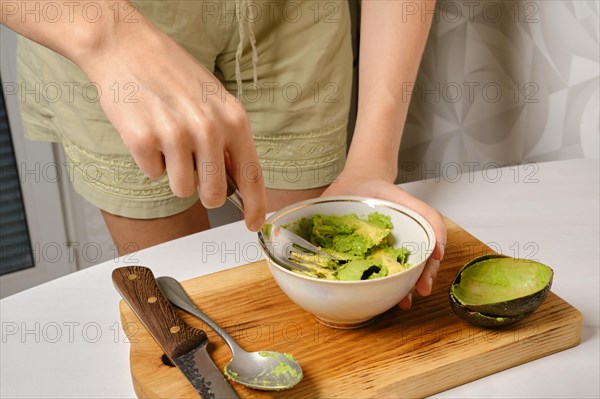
{"x":259,"y":89}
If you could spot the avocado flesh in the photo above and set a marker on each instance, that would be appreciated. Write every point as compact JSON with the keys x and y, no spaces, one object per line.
{"x":495,"y":290}
{"x":499,"y":280}
{"x":360,"y":243}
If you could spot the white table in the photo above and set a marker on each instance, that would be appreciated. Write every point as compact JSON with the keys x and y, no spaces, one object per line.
{"x":63,"y":339}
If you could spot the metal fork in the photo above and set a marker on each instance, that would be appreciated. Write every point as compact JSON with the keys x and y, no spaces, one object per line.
{"x":278,"y":242}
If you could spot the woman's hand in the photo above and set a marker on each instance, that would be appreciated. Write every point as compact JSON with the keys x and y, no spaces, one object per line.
{"x":170,"y":111}
{"x":353,"y":182}
{"x":383,"y":100}
{"x":177,"y":116}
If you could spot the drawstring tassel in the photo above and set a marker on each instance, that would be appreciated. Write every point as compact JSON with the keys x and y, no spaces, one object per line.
{"x":253,"y":45}
{"x":240,"y":48}
{"x":239,"y":52}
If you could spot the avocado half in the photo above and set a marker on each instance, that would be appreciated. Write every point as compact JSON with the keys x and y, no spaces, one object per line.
{"x":497,"y":290}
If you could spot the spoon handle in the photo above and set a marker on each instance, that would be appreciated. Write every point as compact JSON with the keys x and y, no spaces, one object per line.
{"x":180,"y":299}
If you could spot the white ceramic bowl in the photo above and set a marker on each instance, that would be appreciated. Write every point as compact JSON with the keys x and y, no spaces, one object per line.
{"x":351,"y":304}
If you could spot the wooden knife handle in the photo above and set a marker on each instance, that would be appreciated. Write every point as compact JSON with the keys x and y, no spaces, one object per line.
{"x":137,"y":286}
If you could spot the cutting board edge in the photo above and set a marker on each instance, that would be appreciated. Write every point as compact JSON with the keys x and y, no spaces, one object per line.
{"x":572,"y":329}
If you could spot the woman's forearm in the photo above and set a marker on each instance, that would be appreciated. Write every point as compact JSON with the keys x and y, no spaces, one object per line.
{"x":78,"y":30}
{"x":393,"y":36}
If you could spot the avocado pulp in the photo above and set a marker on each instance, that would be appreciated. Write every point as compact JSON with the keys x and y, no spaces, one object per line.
{"x":360,"y":243}
{"x":496,"y":290}
{"x":501,"y":279}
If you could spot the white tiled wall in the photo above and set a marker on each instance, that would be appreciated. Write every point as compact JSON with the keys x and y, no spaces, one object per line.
{"x":505,"y":82}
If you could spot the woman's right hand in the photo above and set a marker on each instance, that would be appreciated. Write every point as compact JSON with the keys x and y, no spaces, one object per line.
{"x":174,"y":114}
{"x":177,"y":116}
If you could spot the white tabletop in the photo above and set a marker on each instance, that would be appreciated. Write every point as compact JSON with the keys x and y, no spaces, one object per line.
{"x":63,"y":339}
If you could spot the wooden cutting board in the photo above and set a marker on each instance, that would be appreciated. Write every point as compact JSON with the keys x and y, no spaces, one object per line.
{"x":401,"y":354}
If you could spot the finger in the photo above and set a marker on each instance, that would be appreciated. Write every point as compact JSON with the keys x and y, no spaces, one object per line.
{"x":406,"y":302}
{"x":179,"y":161}
{"x":246,"y":169}
{"x":150,"y":162}
{"x":248,"y":175}
{"x":436,"y":221}
{"x":438,"y":251}
{"x":210,"y":167}
{"x":441,"y":237}
{"x":424,"y":285}
{"x":146,"y":152}
{"x":250,"y":183}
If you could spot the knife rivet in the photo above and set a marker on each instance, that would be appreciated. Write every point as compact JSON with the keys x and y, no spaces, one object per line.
{"x":174,"y":329}
{"x":152,"y":299}
{"x":132,"y":276}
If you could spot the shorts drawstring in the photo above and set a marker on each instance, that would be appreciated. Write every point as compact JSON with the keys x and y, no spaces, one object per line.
{"x":238,"y":54}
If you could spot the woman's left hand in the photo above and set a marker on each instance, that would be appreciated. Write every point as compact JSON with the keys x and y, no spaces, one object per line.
{"x":351,"y":182}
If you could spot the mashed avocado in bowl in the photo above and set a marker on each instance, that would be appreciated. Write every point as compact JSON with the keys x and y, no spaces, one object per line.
{"x":373,"y":236}
{"x":362,"y":244}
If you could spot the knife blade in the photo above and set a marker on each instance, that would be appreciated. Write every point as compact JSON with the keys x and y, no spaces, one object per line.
{"x":184,"y":345}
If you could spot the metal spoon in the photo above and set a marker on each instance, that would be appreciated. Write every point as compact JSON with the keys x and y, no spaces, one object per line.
{"x":266,"y":370}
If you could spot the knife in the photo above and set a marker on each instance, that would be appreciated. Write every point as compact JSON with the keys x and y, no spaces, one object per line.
{"x":184,"y":345}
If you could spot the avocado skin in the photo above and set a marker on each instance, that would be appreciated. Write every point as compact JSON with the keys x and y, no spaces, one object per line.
{"x":482,"y":320}
{"x":498,"y":314}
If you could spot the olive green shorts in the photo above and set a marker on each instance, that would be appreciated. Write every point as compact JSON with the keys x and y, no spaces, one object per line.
{"x":298,"y":106}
